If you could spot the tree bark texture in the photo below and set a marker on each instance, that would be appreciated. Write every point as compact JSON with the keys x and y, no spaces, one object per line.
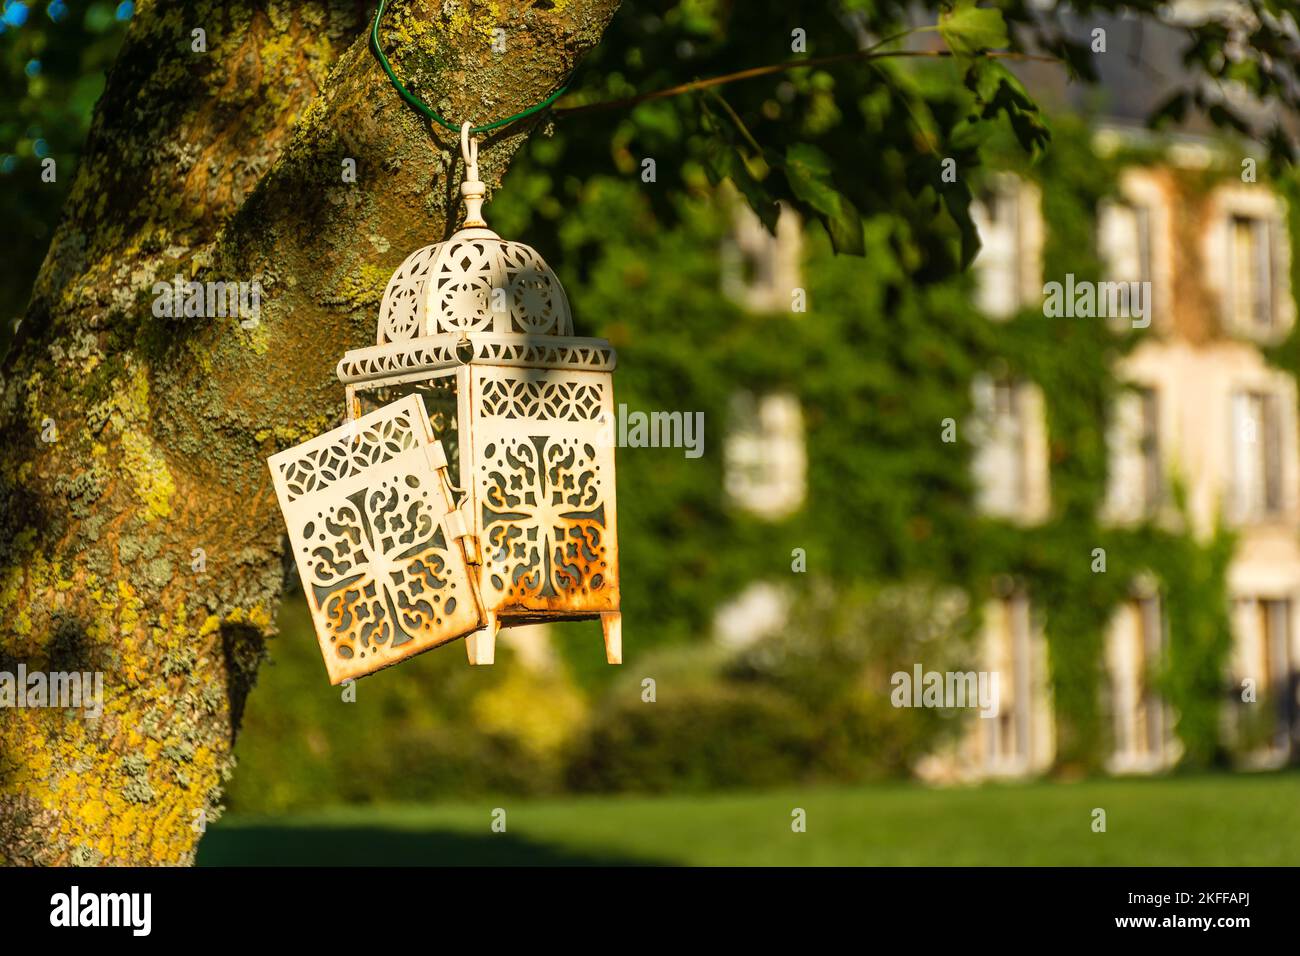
{"x":139,"y":534}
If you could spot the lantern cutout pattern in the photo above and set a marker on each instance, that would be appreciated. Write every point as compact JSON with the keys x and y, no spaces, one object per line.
{"x":478,"y":379}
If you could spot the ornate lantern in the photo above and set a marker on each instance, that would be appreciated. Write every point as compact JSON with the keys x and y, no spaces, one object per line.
{"x":472,"y":486}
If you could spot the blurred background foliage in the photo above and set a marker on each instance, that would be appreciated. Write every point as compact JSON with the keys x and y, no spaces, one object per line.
{"x":898,"y":561}
{"x":53,"y":58}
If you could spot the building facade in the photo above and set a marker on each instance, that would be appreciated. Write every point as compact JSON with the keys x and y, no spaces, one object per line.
{"x":1202,"y":436}
{"x":1202,"y":410}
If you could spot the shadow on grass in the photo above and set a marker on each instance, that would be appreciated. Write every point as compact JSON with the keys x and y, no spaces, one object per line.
{"x":267,"y":845}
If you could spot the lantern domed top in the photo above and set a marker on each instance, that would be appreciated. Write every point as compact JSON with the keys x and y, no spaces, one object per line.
{"x":474,"y":282}
{"x":474,"y":299}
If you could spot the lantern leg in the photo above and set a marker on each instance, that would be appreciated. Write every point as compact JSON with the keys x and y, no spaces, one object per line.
{"x":481,"y":646}
{"x":611,"y":622}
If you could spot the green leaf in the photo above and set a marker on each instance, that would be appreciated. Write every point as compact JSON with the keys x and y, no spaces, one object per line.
{"x":986,"y":78}
{"x":1079,"y":59}
{"x":998,"y":90}
{"x":808,"y":171}
{"x":1172,"y":110}
{"x":725,"y":162}
{"x":957,"y":198}
{"x":969,"y":30}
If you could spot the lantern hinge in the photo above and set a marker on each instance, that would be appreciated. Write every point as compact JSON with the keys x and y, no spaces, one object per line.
{"x":437,"y":457}
{"x":459,"y":521}
{"x":460,"y":525}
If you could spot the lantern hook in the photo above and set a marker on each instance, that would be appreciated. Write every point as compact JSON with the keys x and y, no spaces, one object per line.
{"x":472,"y":189}
{"x":469,"y":150}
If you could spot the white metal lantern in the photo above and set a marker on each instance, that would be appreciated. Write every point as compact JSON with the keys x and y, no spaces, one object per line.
{"x":521,"y":412}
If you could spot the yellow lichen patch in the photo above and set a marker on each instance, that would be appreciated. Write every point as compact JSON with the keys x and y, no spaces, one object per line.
{"x":200,"y":355}
{"x":485,"y":26}
{"x":362,"y":289}
{"x":33,"y":390}
{"x":127,"y":803}
{"x":278,"y":47}
{"x":300,"y":431}
{"x":129,"y":410}
{"x":23,"y":735}
{"x":106,"y":602}
{"x":260,"y":617}
{"x":129,"y":619}
{"x":32,"y":574}
{"x":152,"y":479}
{"x":259,"y":339}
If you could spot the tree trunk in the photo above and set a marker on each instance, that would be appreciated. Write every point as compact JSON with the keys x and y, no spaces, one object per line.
{"x":139,"y":535}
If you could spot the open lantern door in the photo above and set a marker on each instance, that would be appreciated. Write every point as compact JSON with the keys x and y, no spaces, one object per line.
{"x":378,"y":544}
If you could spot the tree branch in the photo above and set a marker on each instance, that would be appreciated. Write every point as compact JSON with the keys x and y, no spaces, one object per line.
{"x":774,"y":68}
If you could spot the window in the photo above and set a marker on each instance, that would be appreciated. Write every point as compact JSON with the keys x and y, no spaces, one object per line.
{"x":759,"y":611}
{"x":1125,"y":240}
{"x":1251,"y":294}
{"x":1246,"y":257}
{"x":1140,"y":722}
{"x":1005,"y":739}
{"x":1001,"y":262}
{"x":1135,"y":240}
{"x":1018,"y":738}
{"x":764,"y":456}
{"x":760,"y":270}
{"x":1257,"y":463}
{"x":1135,"y":478}
{"x":1264,"y":655}
{"x":1010,"y":463}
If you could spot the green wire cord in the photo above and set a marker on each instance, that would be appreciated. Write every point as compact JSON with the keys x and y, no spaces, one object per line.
{"x":429,"y":111}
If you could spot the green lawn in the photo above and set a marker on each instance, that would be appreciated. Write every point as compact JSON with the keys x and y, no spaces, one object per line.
{"x":1251,"y":819}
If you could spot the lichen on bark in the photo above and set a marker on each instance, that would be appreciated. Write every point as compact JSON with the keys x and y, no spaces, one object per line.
{"x":138,"y":530}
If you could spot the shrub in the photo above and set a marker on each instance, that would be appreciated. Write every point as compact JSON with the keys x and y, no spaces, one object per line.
{"x":695,"y":738}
